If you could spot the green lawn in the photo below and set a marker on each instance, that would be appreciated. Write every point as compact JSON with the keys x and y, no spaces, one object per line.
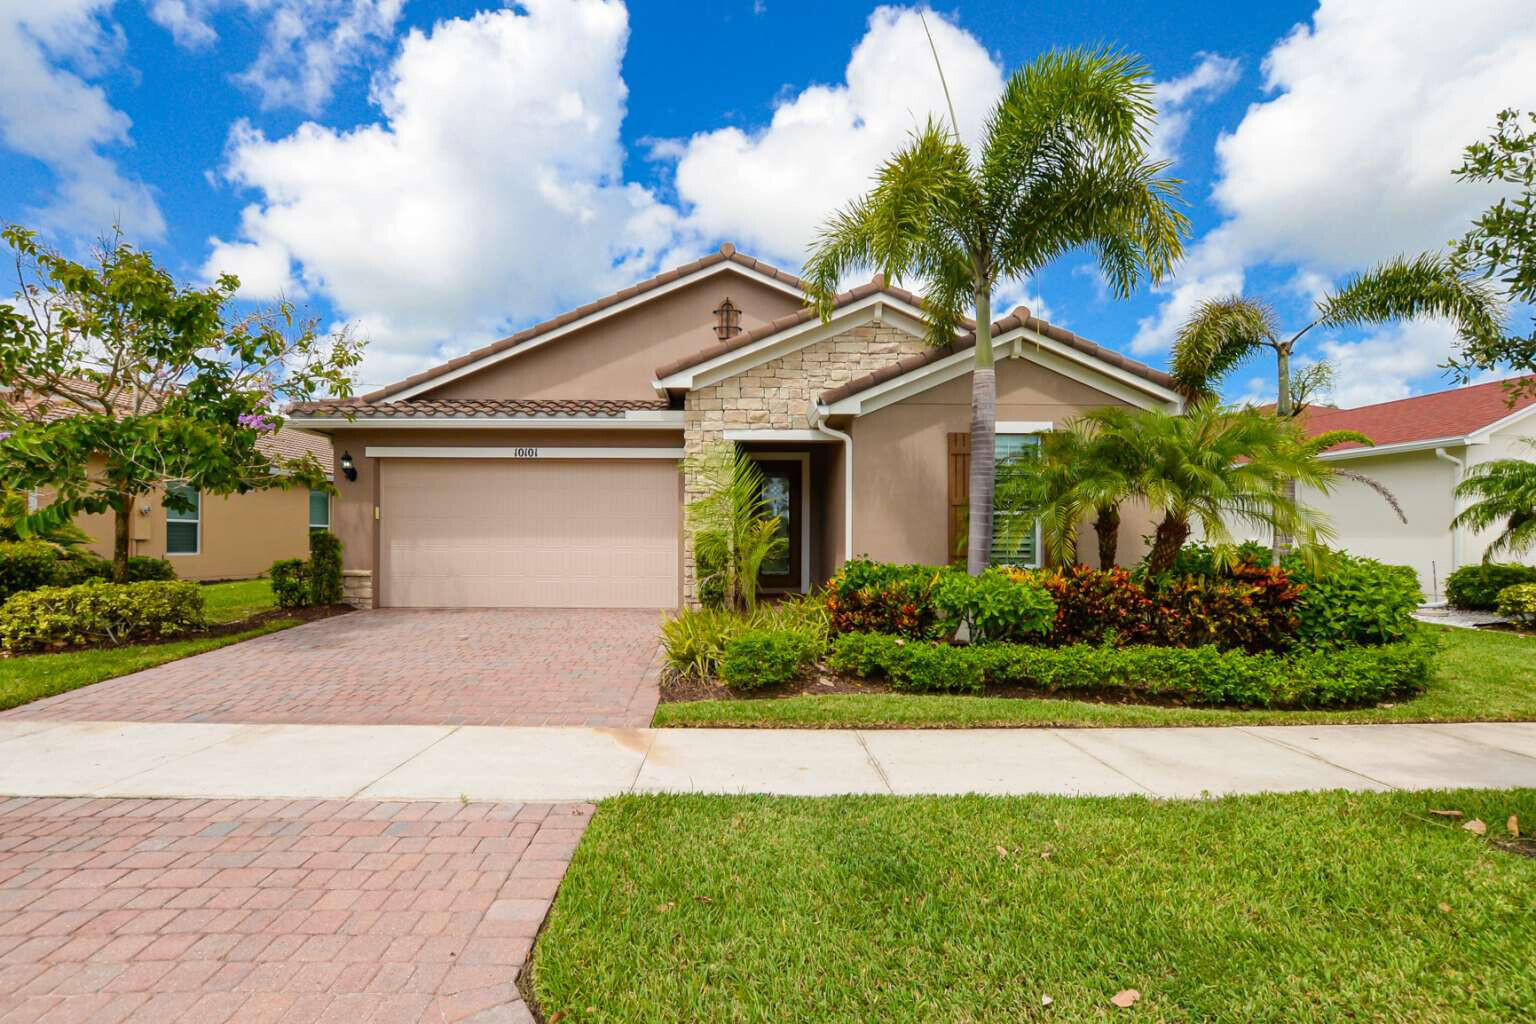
{"x":230,"y":602}
{"x":1280,"y":908}
{"x":35,"y":676}
{"x":1481,"y":676}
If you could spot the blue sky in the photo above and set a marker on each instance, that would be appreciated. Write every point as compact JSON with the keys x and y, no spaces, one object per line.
{"x":440,"y":173}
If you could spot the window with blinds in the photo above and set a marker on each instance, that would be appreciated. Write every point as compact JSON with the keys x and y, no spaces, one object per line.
{"x":1015,"y":540}
{"x":183,"y":529}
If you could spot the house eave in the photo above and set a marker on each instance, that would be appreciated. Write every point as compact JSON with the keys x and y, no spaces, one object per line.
{"x":634,"y":419}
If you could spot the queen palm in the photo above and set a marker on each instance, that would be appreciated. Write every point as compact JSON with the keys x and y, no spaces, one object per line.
{"x":1078,"y":471}
{"x":1223,"y":333}
{"x":1062,"y":163}
{"x":1506,"y":493}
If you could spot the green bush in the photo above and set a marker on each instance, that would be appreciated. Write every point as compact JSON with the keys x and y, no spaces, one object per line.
{"x":693,"y":641}
{"x":290,"y":582}
{"x":1477,"y":587}
{"x":324,"y":568}
{"x":1351,"y":600}
{"x":1253,"y":609}
{"x":77,"y":565}
{"x":26,"y":565}
{"x":996,"y":606}
{"x":1518,"y":603}
{"x":142,"y":568}
{"x":711,"y":573}
{"x":111,"y":613}
{"x":883,"y":597}
{"x":755,"y":658}
{"x":1329,"y":677}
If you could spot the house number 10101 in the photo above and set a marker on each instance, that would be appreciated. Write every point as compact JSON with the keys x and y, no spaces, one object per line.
{"x":525,"y":453}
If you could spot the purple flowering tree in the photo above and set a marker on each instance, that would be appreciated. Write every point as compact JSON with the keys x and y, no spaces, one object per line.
{"x":116,"y":381}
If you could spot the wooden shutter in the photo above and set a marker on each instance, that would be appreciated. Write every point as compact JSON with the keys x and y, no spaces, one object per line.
{"x":959,"y":496}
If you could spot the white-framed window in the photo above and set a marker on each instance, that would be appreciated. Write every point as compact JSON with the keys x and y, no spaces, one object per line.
{"x":319,"y":510}
{"x":183,"y":529}
{"x":1015,"y":542}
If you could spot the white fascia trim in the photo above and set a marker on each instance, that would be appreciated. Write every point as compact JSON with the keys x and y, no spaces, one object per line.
{"x":596,"y":316}
{"x":1485,"y":434}
{"x":1024,"y":427}
{"x":878,"y":306}
{"x":776,"y":435}
{"x":635,"y":419}
{"x":1021,"y":339}
{"x":530,"y":453}
{"x":1401,"y":447}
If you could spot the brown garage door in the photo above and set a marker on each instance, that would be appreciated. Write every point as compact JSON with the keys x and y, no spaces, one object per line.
{"x":497,"y":533}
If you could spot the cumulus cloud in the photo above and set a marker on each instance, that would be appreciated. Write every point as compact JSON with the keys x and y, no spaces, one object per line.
{"x":477,"y":201}
{"x":307,"y":45}
{"x":824,"y":142}
{"x":1176,"y":99}
{"x":1385,"y":364}
{"x":50,"y":111}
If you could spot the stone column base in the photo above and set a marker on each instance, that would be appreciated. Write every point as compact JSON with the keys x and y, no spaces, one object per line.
{"x":357,"y":587}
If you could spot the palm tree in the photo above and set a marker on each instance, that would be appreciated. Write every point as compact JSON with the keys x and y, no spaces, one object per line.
{"x":1506,"y":489}
{"x":1079,"y":470}
{"x":732,"y":528}
{"x":1224,"y":332}
{"x":1062,"y":164}
{"x":1214,"y":466}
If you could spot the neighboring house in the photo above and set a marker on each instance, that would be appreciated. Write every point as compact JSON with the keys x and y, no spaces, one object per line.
{"x":1422,"y":448}
{"x":233,"y":537}
{"x":543,"y":469}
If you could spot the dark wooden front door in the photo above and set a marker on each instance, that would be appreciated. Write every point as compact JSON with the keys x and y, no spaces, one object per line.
{"x":781,"y":495}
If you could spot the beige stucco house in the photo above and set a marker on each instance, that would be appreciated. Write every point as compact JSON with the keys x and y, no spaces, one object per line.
{"x":544,"y":469}
{"x":1423,"y":448}
{"x":237,"y":536}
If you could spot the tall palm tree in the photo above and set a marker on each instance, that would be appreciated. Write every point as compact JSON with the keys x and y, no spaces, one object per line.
{"x":1224,"y":332}
{"x":1506,"y":489}
{"x":1079,"y":471}
{"x":1062,"y":164}
{"x":1214,"y":466}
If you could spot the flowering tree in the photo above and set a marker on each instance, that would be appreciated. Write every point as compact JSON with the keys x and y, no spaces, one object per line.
{"x":116,"y":381}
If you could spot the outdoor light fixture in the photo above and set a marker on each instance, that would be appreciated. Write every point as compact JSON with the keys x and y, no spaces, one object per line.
{"x":348,"y":467}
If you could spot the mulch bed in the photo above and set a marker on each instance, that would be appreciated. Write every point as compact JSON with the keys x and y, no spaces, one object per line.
{"x":1507,"y":627}
{"x":310,"y":614}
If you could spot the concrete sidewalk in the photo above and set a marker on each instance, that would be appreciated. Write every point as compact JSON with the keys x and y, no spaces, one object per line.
{"x":539,"y":765}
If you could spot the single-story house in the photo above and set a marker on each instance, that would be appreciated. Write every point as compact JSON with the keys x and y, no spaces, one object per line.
{"x":1423,"y":448}
{"x":545,"y":469}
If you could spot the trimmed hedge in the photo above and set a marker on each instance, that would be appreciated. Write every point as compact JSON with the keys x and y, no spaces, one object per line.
{"x":290,"y":582}
{"x":112,"y":613}
{"x":324,"y":568}
{"x":26,"y":565}
{"x":1329,"y":677}
{"x":1477,"y":587}
{"x":755,"y":658}
{"x":1518,"y":603}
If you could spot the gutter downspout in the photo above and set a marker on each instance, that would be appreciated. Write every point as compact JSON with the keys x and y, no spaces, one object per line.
{"x":819,"y":414}
{"x":1461,"y":467}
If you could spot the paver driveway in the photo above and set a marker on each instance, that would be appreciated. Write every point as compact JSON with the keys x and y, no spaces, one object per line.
{"x":523,"y":666}
{"x":211,"y":911}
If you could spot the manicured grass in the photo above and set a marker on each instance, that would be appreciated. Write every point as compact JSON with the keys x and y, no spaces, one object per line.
{"x":1480,"y":676}
{"x":1280,"y":908}
{"x":240,"y":599}
{"x":35,"y":676}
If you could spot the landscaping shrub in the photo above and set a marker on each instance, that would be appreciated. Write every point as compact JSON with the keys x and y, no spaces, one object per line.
{"x":711,"y":576}
{"x":755,"y":658}
{"x":996,"y":606}
{"x":77,"y":565}
{"x":113,"y":613}
{"x":1518,"y":603}
{"x":694,"y":640}
{"x":290,"y":582}
{"x":1094,"y":606}
{"x":1331,"y":677}
{"x":1253,"y":610}
{"x":1351,"y":600}
{"x":324,"y":568}
{"x":142,"y":568}
{"x":1477,"y":587}
{"x":881,"y":597}
{"x":26,"y":565}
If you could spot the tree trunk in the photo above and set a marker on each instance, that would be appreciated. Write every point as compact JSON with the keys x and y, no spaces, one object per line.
{"x":983,"y":441}
{"x":1283,"y":411}
{"x":1170,"y":536}
{"x":122,"y":523}
{"x":1107,"y":526}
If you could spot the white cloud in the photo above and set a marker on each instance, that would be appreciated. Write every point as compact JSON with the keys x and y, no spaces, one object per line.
{"x":824,"y":143}
{"x":435,"y":229}
{"x":50,"y":111}
{"x":307,"y":44}
{"x":1176,"y":97}
{"x":1384,"y":365}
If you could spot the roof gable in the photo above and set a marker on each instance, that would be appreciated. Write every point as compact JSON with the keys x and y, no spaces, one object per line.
{"x":1455,"y":414}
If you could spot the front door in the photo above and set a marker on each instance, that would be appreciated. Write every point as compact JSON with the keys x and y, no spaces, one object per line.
{"x":782,"y":498}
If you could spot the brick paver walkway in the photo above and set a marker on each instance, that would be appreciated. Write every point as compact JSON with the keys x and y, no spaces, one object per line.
{"x":212,"y":911}
{"x":401,"y":667}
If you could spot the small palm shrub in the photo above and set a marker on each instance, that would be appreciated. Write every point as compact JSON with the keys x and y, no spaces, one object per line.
{"x":1477,"y":587}
{"x":1518,"y":603}
{"x":93,"y":613}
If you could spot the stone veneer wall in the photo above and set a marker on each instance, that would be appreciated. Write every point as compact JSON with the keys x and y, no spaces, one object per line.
{"x":777,"y":396}
{"x":357,"y":587}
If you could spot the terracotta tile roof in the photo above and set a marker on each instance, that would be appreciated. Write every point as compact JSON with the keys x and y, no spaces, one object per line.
{"x":1454,"y":413}
{"x":426,"y":408}
{"x":1020,"y":317}
{"x":288,"y":443}
{"x":725,"y":254}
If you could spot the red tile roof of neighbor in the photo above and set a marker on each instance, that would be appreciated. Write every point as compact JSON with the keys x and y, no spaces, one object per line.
{"x":1443,"y":414}
{"x":426,"y":408}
